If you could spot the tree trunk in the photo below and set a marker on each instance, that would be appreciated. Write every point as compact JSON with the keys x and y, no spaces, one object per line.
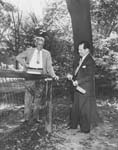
{"x":81,"y":23}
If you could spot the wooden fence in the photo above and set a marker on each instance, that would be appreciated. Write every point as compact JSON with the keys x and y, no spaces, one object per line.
{"x":14,"y":83}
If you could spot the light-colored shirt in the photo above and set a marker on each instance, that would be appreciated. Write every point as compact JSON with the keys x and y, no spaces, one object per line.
{"x":36,"y":60}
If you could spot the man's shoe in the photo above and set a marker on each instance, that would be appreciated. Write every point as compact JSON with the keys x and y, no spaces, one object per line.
{"x":69,"y":127}
{"x":25,"y":122}
{"x":37,"y":121}
{"x":85,"y":131}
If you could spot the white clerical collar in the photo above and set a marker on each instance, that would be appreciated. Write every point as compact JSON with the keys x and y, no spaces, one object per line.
{"x":85,"y":56}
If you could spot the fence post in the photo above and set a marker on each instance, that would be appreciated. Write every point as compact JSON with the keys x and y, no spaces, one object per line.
{"x":49,"y":105}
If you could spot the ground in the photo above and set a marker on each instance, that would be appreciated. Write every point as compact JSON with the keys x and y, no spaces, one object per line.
{"x":14,"y":135}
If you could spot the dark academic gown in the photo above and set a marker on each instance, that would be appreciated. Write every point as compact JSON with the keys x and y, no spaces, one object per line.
{"x":84,"y":105}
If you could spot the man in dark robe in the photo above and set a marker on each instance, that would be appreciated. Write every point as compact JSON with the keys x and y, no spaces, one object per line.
{"x":83,"y":111}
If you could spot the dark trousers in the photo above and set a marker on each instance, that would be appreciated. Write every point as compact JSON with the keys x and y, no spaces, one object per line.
{"x":80,"y":112}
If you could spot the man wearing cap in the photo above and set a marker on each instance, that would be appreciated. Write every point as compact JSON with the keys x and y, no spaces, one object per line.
{"x":36,"y":58}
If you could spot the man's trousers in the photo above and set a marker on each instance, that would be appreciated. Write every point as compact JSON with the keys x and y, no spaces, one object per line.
{"x":34,"y":99}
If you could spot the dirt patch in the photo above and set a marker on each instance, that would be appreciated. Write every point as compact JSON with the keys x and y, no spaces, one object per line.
{"x":14,"y":135}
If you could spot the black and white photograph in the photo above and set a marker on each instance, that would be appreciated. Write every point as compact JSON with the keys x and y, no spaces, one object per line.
{"x":58,"y":74}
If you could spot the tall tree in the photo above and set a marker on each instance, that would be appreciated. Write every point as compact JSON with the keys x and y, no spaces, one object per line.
{"x":81,"y":22}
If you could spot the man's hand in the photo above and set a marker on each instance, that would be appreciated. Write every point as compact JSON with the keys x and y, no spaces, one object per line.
{"x":26,"y":65}
{"x":56,"y":77}
{"x":75,"y":83}
{"x":69,"y":76}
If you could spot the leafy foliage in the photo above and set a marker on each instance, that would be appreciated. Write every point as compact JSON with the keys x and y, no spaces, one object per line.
{"x":104,"y":14}
{"x":18,"y":33}
{"x":5,"y":19}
